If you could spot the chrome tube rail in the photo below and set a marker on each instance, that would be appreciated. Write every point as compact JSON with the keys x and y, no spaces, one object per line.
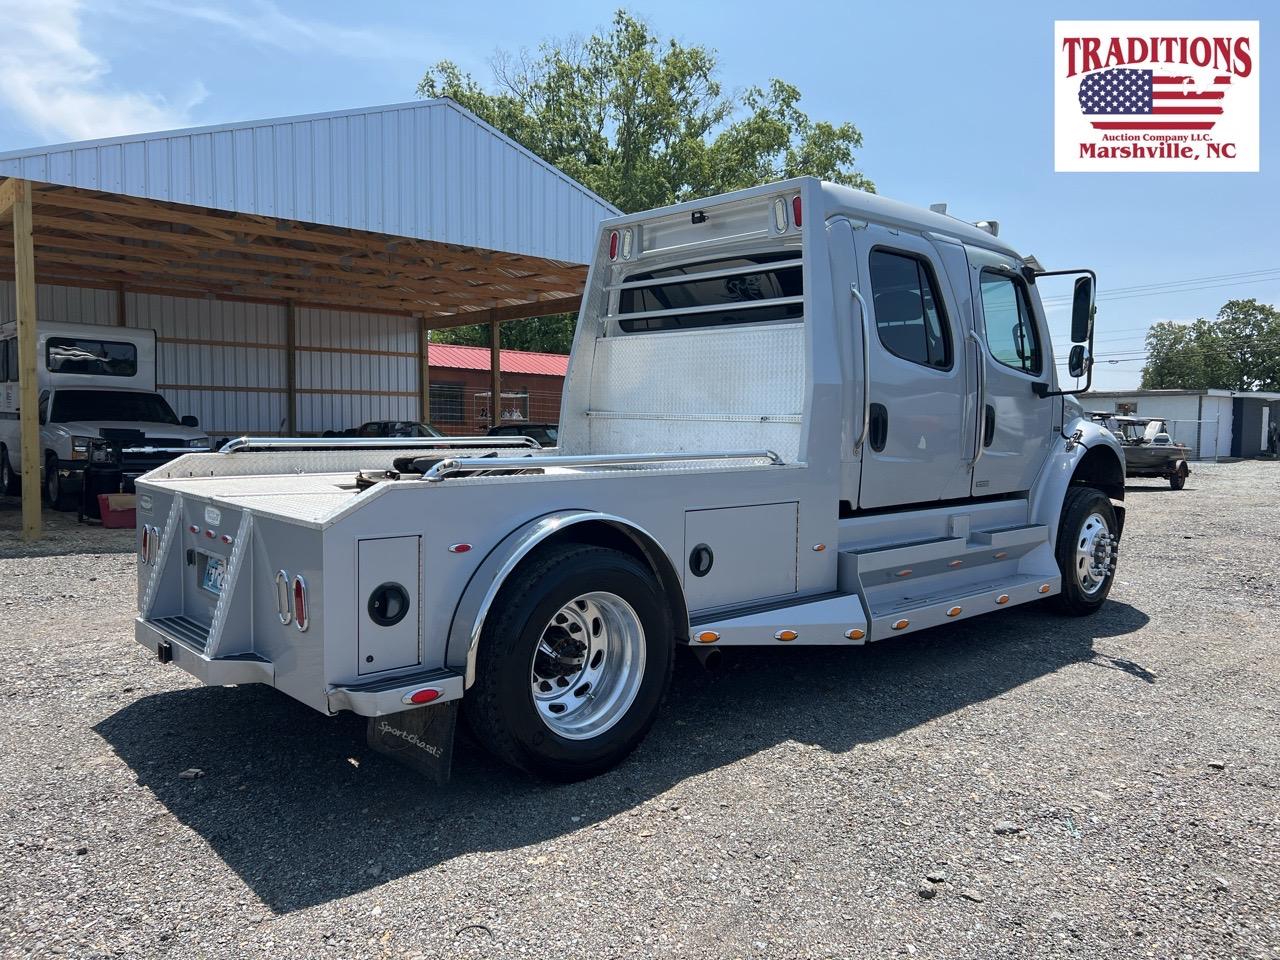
{"x":865,"y":315}
{"x":240,"y":444}
{"x":466,"y":464}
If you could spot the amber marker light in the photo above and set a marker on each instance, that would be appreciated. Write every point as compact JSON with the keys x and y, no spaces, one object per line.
{"x":708,"y":636}
{"x":854,"y":634}
{"x":1003,"y":598}
{"x":955,"y":611}
{"x":902,"y":624}
{"x":785,"y":635}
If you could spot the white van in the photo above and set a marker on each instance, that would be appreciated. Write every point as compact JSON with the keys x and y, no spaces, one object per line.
{"x":98,"y":400}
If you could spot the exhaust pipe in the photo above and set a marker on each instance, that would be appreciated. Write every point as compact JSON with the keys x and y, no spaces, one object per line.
{"x":709,"y":657}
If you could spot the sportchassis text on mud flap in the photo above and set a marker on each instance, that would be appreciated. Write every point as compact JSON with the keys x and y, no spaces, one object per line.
{"x":796,"y":414}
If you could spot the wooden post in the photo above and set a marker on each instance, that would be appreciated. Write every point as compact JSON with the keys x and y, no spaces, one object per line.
{"x":121,"y":319}
{"x":290,"y":369}
{"x":24,"y":283}
{"x":424,"y":369}
{"x":495,"y":372}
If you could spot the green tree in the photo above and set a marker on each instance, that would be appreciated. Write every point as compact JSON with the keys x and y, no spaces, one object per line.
{"x":642,"y":121}
{"x":1238,"y":350}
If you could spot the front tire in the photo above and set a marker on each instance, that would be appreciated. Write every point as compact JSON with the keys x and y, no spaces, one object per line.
{"x":54,"y":490}
{"x":1086,"y":550}
{"x":573,"y":663}
{"x":1178,"y":481}
{"x":10,"y":484}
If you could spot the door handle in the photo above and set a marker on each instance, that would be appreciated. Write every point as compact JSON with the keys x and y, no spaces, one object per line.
{"x":988,"y":425}
{"x":878,"y":434}
{"x":981,"y":385}
{"x":866,"y":368}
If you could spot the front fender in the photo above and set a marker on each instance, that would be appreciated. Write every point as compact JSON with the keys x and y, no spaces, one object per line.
{"x":483,"y":587}
{"x":1095,"y":458}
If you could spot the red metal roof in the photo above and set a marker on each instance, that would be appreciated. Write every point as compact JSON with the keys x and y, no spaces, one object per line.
{"x":458,"y":357}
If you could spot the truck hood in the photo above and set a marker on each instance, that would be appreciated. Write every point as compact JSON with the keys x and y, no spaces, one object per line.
{"x":164,"y":431}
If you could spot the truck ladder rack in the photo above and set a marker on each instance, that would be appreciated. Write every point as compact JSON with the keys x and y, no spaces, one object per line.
{"x":372,"y":443}
{"x":465,"y":464}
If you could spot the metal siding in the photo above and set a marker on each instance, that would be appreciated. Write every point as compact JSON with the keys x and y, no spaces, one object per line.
{"x":428,"y":170}
{"x":63,"y":304}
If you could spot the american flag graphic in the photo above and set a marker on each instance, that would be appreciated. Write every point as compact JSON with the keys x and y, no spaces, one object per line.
{"x":1145,"y":100}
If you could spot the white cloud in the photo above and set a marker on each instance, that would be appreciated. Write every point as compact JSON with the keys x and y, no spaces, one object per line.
{"x":60,"y":88}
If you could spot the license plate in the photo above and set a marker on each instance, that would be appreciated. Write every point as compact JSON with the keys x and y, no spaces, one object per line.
{"x":214,"y":571}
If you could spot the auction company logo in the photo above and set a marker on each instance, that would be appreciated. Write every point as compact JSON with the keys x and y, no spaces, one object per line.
{"x":1143,"y":96}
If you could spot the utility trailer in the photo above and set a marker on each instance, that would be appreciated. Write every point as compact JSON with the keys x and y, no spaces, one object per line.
{"x":795,"y":414}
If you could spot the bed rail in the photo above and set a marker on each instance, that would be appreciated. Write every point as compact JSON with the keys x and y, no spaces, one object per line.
{"x":373,"y":443}
{"x":467,"y":464}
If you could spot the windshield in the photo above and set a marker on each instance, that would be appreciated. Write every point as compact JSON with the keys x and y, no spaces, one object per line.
{"x":115,"y":405}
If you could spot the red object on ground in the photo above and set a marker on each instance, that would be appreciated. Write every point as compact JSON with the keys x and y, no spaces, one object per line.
{"x":118,"y":509}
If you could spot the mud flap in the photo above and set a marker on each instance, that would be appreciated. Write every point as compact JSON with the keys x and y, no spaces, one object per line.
{"x":421,"y":739}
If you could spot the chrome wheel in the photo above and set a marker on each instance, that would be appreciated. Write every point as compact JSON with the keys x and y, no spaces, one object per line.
{"x":588,"y":665}
{"x":1096,"y":550}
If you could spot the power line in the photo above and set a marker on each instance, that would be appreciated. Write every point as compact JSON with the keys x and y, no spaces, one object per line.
{"x":1170,"y":285}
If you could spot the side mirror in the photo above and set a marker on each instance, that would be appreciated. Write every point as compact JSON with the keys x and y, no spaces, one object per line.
{"x":1082,"y":310}
{"x":1078,"y":360}
{"x":190,"y":421}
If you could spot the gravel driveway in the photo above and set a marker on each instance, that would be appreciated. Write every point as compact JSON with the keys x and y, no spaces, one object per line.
{"x":1016,"y":785}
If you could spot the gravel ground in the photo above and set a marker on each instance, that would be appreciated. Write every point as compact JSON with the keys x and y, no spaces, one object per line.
{"x":1020,"y":785}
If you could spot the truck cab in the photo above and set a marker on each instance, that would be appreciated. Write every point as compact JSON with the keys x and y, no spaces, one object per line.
{"x":97,"y":404}
{"x":796,"y":414}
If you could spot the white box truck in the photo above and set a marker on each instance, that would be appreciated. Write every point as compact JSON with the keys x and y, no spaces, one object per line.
{"x":795,"y":414}
{"x":98,"y":401}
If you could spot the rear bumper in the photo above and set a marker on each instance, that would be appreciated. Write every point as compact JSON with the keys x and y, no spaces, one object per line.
{"x":374,"y":699}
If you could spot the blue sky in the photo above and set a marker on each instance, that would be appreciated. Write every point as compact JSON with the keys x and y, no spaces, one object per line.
{"x":954,"y":100}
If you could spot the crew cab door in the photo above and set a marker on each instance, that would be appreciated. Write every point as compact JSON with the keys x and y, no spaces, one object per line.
{"x":1016,"y":424}
{"x":915,"y":445}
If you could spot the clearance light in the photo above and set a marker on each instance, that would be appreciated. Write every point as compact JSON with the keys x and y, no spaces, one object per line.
{"x":419,"y":697}
{"x":1002,"y":554}
{"x":193,"y":528}
{"x":785,"y":635}
{"x":300,"y":618}
{"x":1003,"y":598}
{"x":901,"y":624}
{"x":1044,"y":588}
{"x":795,"y":210}
{"x":228,"y":539}
{"x":780,"y":214}
{"x":854,"y":634}
{"x":459,"y":548}
{"x":954,"y":612}
{"x":613,"y":245}
{"x":903,"y":573}
{"x":956,"y":563}
{"x":708,"y":636}
{"x":819,"y":547}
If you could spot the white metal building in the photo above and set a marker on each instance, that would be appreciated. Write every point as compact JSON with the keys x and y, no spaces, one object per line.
{"x":1207,"y":421}
{"x":425,"y":170}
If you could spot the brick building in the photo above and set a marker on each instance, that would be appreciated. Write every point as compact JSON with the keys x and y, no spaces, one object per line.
{"x":460,"y":387}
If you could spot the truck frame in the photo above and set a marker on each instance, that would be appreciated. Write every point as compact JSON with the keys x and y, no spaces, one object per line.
{"x":795,"y":414}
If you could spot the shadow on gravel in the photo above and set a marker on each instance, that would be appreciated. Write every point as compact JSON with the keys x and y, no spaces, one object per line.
{"x":299,"y":807}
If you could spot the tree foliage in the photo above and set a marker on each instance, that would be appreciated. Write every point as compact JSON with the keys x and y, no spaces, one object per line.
{"x":642,"y":121}
{"x":1239,"y":350}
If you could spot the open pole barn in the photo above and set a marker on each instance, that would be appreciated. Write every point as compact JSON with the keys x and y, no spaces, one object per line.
{"x":291,"y":268}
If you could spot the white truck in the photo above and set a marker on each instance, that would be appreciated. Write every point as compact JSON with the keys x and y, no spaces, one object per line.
{"x":98,"y":403}
{"x":795,"y":414}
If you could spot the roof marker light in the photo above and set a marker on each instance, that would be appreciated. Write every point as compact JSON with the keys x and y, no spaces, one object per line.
{"x":795,"y":210}
{"x":613,"y":245}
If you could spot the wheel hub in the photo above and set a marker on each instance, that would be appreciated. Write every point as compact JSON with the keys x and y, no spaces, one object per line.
{"x":588,"y":665}
{"x":1096,"y":551}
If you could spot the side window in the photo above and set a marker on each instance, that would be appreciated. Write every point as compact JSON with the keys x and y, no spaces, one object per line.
{"x":44,"y":406}
{"x":13,"y":359}
{"x":908,"y":310}
{"x":1012,"y":337}
{"x":4,"y":360}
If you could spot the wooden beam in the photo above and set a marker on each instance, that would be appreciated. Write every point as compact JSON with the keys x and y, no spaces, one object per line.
{"x":24,"y":275}
{"x":9,"y":190}
{"x":121,"y":319}
{"x":291,"y":369}
{"x":495,"y":372}
{"x":424,"y":370}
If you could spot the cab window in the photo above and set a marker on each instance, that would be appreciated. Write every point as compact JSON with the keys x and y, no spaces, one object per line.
{"x":1012,"y":337}
{"x":908,"y":310}
{"x":11,"y":363}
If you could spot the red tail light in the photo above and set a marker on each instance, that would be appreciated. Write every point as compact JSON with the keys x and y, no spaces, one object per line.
{"x":613,"y":245}
{"x":420,"y":697}
{"x":795,"y":210}
{"x":300,"y":618}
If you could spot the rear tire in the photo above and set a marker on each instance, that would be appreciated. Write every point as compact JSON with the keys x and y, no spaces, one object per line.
{"x":10,"y":484}
{"x":1178,"y":481}
{"x":1086,"y":551}
{"x":574,"y":661}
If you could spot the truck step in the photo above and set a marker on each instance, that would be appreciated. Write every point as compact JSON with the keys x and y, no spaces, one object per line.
{"x":911,"y":613}
{"x":867,"y":569}
{"x":192,"y":633}
{"x":376,"y":698}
